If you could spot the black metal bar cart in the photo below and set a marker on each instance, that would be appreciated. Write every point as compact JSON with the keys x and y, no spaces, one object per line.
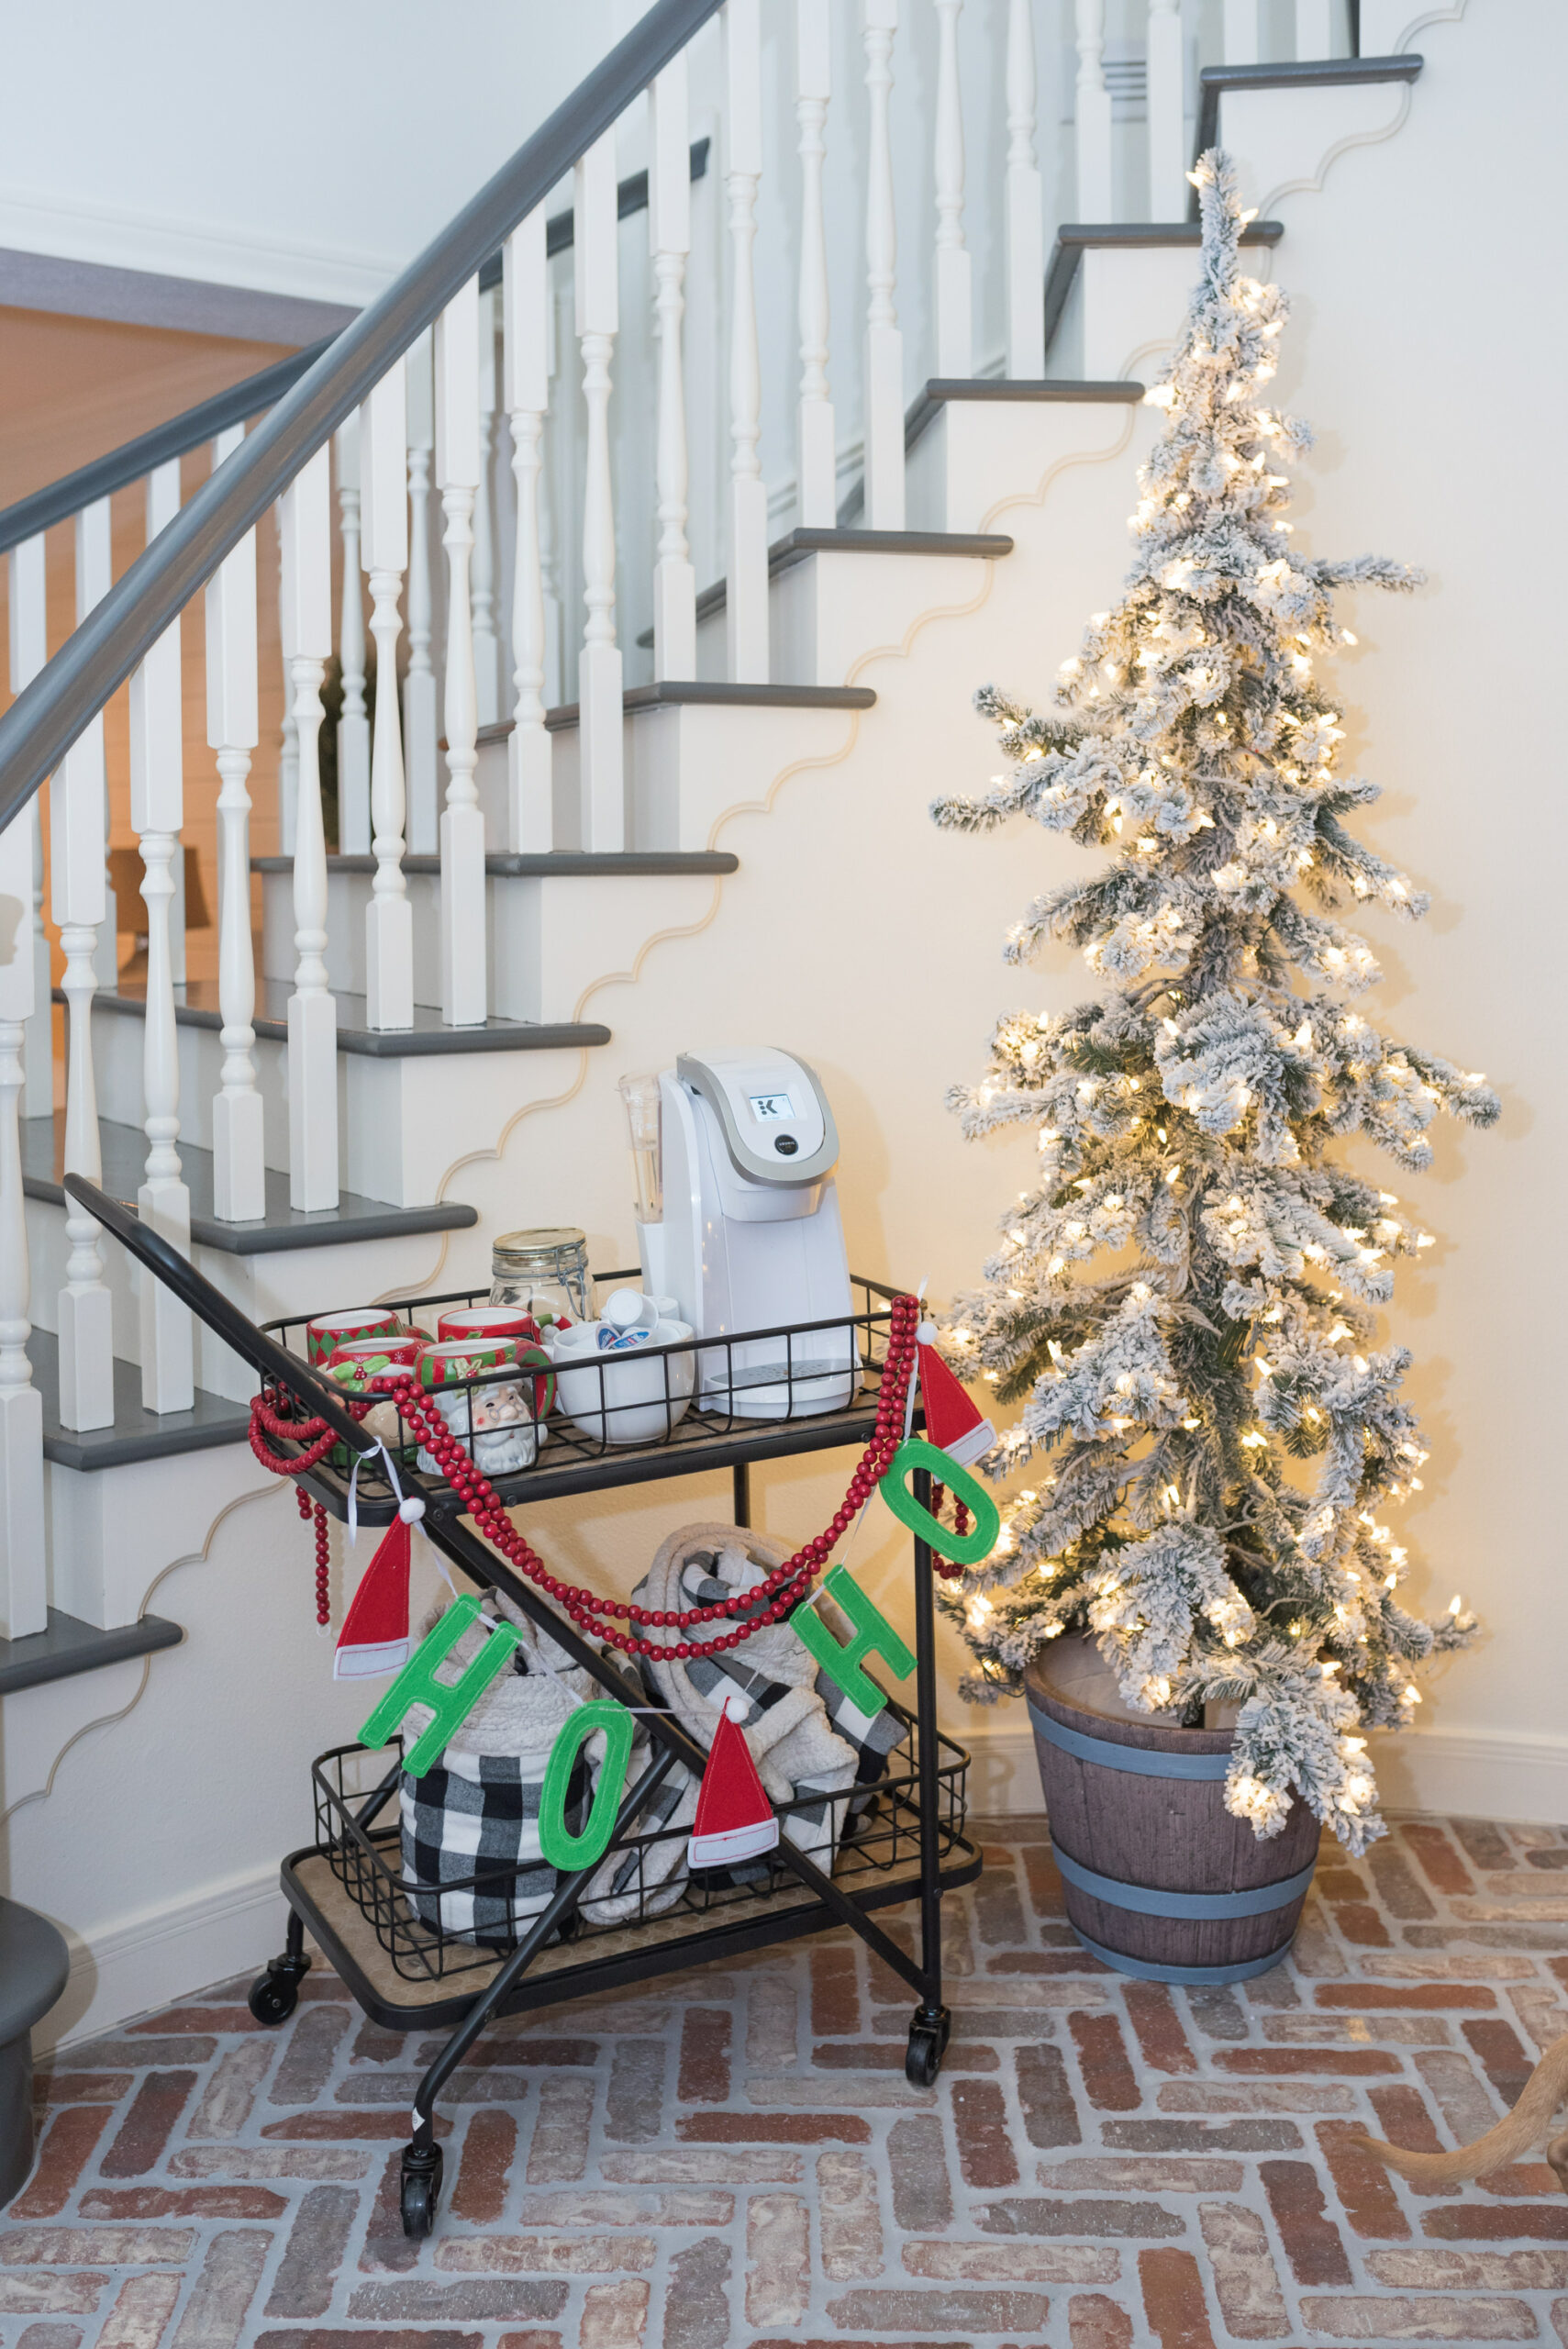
{"x":904,"y":1835}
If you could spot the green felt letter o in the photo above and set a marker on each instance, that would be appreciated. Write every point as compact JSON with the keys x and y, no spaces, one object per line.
{"x":562,"y":1849}
{"x":963,"y":1549}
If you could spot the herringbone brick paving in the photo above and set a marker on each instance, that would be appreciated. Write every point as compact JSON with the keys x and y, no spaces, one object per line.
{"x":736,"y":2157}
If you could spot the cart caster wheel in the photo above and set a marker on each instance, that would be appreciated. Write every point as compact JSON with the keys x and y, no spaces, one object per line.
{"x":928,"y":2044}
{"x":273,"y":1998}
{"x":421,"y":2191}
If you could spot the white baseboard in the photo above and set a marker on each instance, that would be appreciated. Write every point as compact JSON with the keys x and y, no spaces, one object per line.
{"x":152,"y":1959}
{"x":1477,"y":1774}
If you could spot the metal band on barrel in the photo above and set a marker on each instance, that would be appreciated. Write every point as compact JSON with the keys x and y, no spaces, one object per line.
{"x":1147,"y":1900}
{"x":1142,"y":1761}
{"x":1145,"y":1970}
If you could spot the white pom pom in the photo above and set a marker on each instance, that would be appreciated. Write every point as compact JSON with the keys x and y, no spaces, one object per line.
{"x":736,"y":1707}
{"x":412,"y":1509}
{"x":926,"y":1334}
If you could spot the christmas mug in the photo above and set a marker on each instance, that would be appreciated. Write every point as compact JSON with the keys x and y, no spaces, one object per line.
{"x":330,"y":1330}
{"x":487,"y":1321}
{"x":354,"y":1366}
{"x":499,"y":1422}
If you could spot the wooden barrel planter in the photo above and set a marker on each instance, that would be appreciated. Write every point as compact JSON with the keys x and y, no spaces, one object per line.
{"x":1159,"y":1880}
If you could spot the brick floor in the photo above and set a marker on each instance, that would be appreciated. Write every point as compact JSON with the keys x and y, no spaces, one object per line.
{"x":734,"y":2158}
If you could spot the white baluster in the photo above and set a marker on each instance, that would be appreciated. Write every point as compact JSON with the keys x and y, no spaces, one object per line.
{"x":77,"y":892}
{"x":557,"y":421}
{"x":1165,"y":102}
{"x":1314,"y":29}
{"x":463,"y":820}
{"x":95,"y":574}
{"x":486,"y":649}
{"x":157,"y":812}
{"x":815,"y":457}
{"x":353,"y":726}
{"x":884,"y":344}
{"x":389,"y":916}
{"x":29,"y":649}
{"x":746,"y":604}
{"x":670,"y":241}
{"x":1025,"y":229}
{"x":239,"y":1166}
{"x":531,"y":821}
{"x":1242,"y":40}
{"x":954,"y":300}
{"x":419,"y":728}
{"x":312,"y":1012}
{"x":1093,"y":114}
{"x":599,"y":668}
{"x":24,"y":1606}
{"x":288,"y":750}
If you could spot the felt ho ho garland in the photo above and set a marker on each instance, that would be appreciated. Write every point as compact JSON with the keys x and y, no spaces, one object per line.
{"x":375,"y":1636}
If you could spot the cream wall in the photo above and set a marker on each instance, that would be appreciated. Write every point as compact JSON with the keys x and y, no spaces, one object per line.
{"x":1425,"y":347}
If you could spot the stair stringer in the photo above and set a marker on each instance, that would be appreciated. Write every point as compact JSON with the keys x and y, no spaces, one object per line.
{"x":657,"y":1007}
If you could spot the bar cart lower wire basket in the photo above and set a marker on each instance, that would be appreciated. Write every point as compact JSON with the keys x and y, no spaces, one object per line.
{"x":902,"y":1837}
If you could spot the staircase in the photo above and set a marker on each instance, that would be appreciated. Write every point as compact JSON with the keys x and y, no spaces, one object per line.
{"x":563,"y":850}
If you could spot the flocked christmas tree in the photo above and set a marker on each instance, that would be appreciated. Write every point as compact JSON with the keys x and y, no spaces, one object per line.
{"x":1214,"y":1431}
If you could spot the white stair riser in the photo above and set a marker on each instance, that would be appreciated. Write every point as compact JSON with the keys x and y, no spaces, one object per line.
{"x":548,"y":935}
{"x":833,"y":611}
{"x":116,"y":1060}
{"x":1282,"y":141}
{"x":979,"y":463}
{"x":289,"y":1280}
{"x":401,"y":1120}
{"x":413,"y":1123}
{"x":112,"y":1531}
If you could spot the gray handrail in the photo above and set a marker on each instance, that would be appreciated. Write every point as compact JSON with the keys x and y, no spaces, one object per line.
{"x":195,"y":426}
{"x":47,"y":716}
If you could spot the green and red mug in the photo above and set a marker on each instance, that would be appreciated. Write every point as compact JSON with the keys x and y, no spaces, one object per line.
{"x":459,"y":1360}
{"x":324,"y":1336}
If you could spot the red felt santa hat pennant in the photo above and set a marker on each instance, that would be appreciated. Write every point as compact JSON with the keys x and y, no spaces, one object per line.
{"x":375,"y":1637}
{"x":954,"y":1421}
{"x":735,"y":1820}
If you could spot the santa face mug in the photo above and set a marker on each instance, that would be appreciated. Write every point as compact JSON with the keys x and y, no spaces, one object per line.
{"x":499,"y":1422}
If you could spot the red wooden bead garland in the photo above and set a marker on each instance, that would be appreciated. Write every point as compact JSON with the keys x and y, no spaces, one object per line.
{"x":784,"y":1587}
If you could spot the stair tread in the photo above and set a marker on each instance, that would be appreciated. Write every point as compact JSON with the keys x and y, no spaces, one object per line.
{"x":699,"y":691}
{"x":135,"y":1434}
{"x":796,"y":545}
{"x":68,"y":1646}
{"x":1074,"y":237}
{"x":556,"y":864}
{"x":939,"y":390}
{"x":197,"y":1005}
{"x":124,"y":1154}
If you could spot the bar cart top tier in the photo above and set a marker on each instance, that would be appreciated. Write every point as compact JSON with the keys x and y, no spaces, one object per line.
{"x":702,"y":1439}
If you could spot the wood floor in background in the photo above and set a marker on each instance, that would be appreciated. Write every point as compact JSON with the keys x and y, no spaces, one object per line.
{"x":736,"y":2157}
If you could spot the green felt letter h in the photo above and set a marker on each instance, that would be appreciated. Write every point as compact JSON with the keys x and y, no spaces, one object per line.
{"x":874,"y":1634}
{"x":451,"y":1701}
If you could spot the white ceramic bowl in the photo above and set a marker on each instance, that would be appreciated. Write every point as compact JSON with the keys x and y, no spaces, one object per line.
{"x":632,"y":1405}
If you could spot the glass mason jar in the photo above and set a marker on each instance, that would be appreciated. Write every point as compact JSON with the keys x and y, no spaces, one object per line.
{"x":544,"y":1272}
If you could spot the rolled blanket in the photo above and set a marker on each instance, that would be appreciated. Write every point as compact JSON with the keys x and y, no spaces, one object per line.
{"x":771,"y":1686}
{"x":471,"y":1862}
